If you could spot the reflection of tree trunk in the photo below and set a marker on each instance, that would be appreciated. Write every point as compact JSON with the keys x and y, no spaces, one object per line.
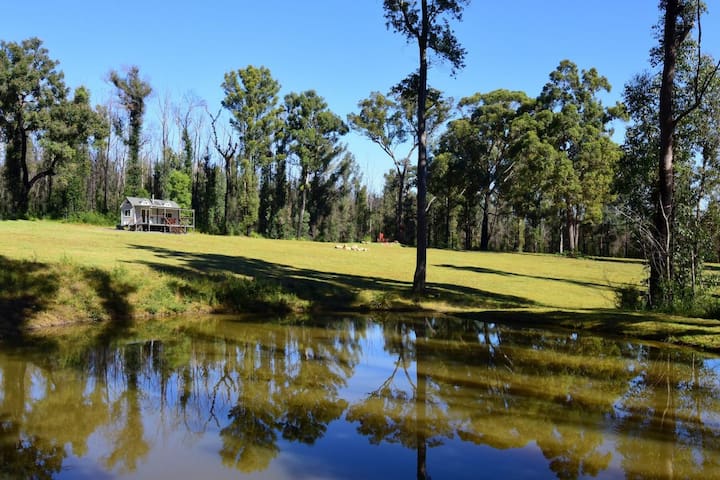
{"x":667,"y":423}
{"x":420,"y":404}
{"x":13,"y":403}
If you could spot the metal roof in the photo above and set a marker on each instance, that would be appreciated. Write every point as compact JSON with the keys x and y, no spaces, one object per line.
{"x":147,"y":202}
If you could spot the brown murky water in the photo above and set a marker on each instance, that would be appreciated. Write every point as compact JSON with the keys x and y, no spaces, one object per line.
{"x":355,"y":398}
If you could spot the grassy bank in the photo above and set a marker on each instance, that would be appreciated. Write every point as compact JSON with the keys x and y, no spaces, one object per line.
{"x":54,"y":273}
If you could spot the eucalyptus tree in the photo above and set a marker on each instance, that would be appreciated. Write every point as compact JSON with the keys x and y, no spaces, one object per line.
{"x":679,"y":19}
{"x":481,"y":147}
{"x":669,"y":149}
{"x":390,"y":122}
{"x":425,"y":22}
{"x":230,"y":194}
{"x":704,"y":179}
{"x":381,"y":120}
{"x":635,"y":179}
{"x":132,"y":92}
{"x":459,"y":174}
{"x":313,"y":136}
{"x":445,"y":182}
{"x":31,"y":87}
{"x":580,"y":132}
{"x":533,"y":192}
{"x":251,"y":97}
{"x":695,"y":173}
{"x":74,"y":130}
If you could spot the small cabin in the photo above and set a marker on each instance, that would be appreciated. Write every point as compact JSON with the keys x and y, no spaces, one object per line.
{"x":152,"y":215}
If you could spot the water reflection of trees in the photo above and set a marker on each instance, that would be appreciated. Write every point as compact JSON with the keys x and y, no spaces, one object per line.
{"x":506,"y":388}
{"x":288,"y":388}
{"x":254,"y":385}
{"x":585,"y":402}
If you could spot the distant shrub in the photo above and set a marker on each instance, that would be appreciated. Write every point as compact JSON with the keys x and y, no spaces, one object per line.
{"x":234,"y":294}
{"x":630,"y":297}
{"x":254,"y":295}
{"x":92,"y":218}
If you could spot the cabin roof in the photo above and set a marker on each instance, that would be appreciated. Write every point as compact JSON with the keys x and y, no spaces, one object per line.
{"x":148,"y":202}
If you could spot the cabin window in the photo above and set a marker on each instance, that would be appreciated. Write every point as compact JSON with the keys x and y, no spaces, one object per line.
{"x":126,"y":213}
{"x":168,"y":215}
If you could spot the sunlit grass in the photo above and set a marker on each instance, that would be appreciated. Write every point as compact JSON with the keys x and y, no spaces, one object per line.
{"x":457,"y":280}
{"x":100,"y":273}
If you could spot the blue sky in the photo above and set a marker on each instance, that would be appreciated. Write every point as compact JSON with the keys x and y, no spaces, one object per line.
{"x":340,"y":48}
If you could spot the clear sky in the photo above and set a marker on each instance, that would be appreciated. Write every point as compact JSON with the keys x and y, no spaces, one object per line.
{"x":340,"y":48}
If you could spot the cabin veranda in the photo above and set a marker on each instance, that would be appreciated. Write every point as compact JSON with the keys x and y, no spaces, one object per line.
{"x":155,"y":215}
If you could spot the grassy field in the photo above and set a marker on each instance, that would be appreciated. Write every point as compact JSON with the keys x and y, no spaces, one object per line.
{"x":53,"y":273}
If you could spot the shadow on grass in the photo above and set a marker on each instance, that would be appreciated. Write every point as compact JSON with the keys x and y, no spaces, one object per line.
{"x":325,"y":290}
{"x":113,"y":293}
{"x":26,"y":288}
{"x":627,"y":261}
{"x":523,"y":275}
{"x":714,"y":268}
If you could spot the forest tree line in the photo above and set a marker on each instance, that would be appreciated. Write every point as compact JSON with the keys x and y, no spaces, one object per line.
{"x":507,"y":170}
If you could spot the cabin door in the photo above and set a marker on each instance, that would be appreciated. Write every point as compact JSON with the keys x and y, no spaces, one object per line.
{"x":145,"y":215}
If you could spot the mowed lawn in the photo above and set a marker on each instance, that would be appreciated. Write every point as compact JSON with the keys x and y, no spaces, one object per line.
{"x":316,"y":272}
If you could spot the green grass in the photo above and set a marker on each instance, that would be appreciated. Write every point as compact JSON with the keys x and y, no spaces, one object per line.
{"x":91,"y":272}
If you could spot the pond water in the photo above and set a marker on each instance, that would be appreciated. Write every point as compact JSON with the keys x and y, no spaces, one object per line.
{"x":355,"y":398}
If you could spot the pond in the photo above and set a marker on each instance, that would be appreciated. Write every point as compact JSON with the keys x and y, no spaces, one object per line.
{"x":355,"y":398}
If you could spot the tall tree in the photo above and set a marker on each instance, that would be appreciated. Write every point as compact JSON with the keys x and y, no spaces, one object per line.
{"x":230,"y":213}
{"x":580,"y":132}
{"x":481,"y":145}
{"x":30,"y":88}
{"x":679,"y":19}
{"x":132,"y":92}
{"x":251,"y":97}
{"x":381,"y":120}
{"x":313,"y":134}
{"x":532,"y":194}
{"x":66,"y":151}
{"x":425,"y":22}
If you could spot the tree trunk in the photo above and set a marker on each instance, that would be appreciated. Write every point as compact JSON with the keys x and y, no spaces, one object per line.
{"x":661,"y":257}
{"x":421,"y":410}
{"x":230,"y":194}
{"x":573,"y":232}
{"x":106,"y":173}
{"x":421,"y":257}
{"x":485,"y":231}
{"x":468,"y":225}
{"x":521,"y":235}
{"x":448,"y":242}
{"x":302,"y":204}
{"x":399,"y":229}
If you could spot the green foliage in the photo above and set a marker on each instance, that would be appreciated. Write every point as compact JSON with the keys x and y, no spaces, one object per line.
{"x":208,"y":193}
{"x":427,"y":25}
{"x":247,"y":295}
{"x":251,"y":97}
{"x":32,"y":91}
{"x":178,"y":188}
{"x":132,"y":92}
{"x":585,"y":155}
{"x":406,"y":18}
{"x":92,"y":218}
{"x":313,"y":136}
{"x":478,"y":157}
{"x":630,"y":297}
